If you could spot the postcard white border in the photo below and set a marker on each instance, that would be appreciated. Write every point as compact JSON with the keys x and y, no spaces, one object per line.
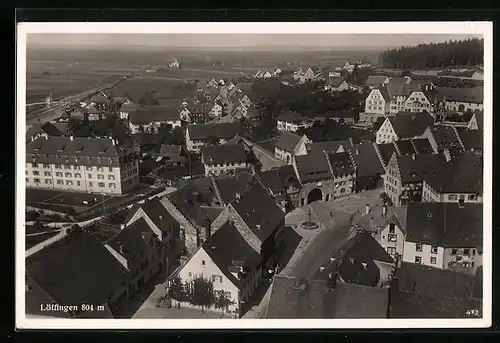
{"x":452,"y":28}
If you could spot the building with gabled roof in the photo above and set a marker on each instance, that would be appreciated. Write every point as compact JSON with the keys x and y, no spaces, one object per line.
{"x":404,"y":125}
{"x":444,"y":138}
{"x":360,"y":260}
{"x":459,"y":180}
{"x":403,"y":147}
{"x":46,"y":129}
{"x":93,"y":165}
{"x":224,"y":159}
{"x":376,"y":80}
{"x":198,"y":136}
{"x":290,"y":145}
{"x":445,"y":235}
{"x":227,"y":260}
{"x":336,"y":84}
{"x":292,"y":122}
{"x":472,"y":140}
{"x":325,"y":175}
{"x":73,"y":271}
{"x":150,"y":118}
{"x":282,"y":183}
{"x":461,"y":99}
{"x":405,"y":175}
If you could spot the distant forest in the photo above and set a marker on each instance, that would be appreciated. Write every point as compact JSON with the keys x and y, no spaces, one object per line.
{"x":435,"y":55}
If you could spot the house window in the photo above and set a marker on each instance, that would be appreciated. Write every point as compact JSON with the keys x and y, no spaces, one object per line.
{"x":466,"y":251}
{"x":36,"y":172}
{"x":46,"y":173}
{"x":433,"y":260}
{"x":111,"y":169}
{"x":203,"y":262}
{"x":392,"y":228}
{"x":46,"y":165}
{"x":392,"y":238}
{"x":99,"y":169}
{"x":69,"y":182}
{"x":472,"y":197}
{"x":90,"y":184}
{"x":100,"y":176}
{"x":48,"y":181}
{"x":190,"y":274}
{"x":418,"y":259}
{"x":76,"y":167}
{"x":67,"y":166}
{"x":60,"y":182}
{"x":90,"y":176}
{"x":111,"y":177}
{"x":58,"y":166}
{"x":454,"y":251}
{"x":37,"y":180}
{"x":473,"y":252}
{"x":418,"y":247}
{"x":112,"y":185}
{"x":391,"y":250}
{"x":216,"y":278}
{"x":89,"y":168}
{"x":78,"y":183}
{"x":452,"y":197}
{"x":434,"y":250}
{"x":34,"y":165}
{"x":101,"y":184}
{"x":67,"y":174}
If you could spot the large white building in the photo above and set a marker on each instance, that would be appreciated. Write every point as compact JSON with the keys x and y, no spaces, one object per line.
{"x":197,"y":136}
{"x":293,"y":122}
{"x":93,"y":165}
{"x":462,"y":99}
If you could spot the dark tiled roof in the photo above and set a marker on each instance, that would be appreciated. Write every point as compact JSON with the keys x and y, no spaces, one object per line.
{"x":408,"y":125}
{"x":445,"y":137}
{"x":129,"y":107}
{"x":463,"y":174}
{"x":292,"y":117}
{"x":224,"y":154}
{"x":287,"y":300}
{"x":471,"y":139}
{"x":259,"y":211}
{"x":230,"y":185}
{"x":375,"y":221}
{"x":385,"y":93}
{"x":334,"y":81}
{"x":470,"y":95}
{"x":288,"y":176}
{"x":396,"y":87}
{"x":207,"y":214}
{"x":88,"y":151}
{"x":233,"y":254}
{"x":329,"y":146}
{"x":355,"y":260}
{"x":132,"y":240}
{"x":422,"y":146}
{"x":307,"y":299}
{"x":445,"y":224}
{"x":355,"y":301}
{"x":155,"y":114}
{"x":159,"y":214}
{"x":272,"y":181}
{"x":188,"y":198}
{"x":427,"y":292}
{"x":221,"y":131}
{"x":375,"y":80}
{"x":414,"y":168}
{"x":313,"y":167}
{"x":341,"y":163}
{"x":77,"y":269}
{"x":288,"y":141}
{"x":404,"y":147}
{"x":386,"y":150}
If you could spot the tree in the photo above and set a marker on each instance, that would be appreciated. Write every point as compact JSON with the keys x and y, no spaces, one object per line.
{"x":222,"y":301}
{"x":176,"y":290}
{"x":201,"y":292}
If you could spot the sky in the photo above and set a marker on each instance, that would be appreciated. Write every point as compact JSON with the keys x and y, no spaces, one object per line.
{"x":239,"y":40}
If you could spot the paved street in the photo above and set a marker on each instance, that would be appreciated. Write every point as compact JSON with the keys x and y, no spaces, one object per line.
{"x":333,"y":230}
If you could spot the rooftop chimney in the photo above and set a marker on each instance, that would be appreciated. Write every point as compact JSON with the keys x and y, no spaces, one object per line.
{"x":413,"y":157}
{"x":121,"y":249}
{"x":161,"y":217}
{"x":384,"y":210}
{"x":71,"y":138}
{"x":122,"y":226}
{"x":367,"y":209}
{"x":208,"y":228}
{"x":238,"y":196}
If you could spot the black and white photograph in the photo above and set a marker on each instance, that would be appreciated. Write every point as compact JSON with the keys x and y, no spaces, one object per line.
{"x":239,"y":175}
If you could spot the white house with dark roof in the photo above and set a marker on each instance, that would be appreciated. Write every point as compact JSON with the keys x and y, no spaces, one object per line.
{"x":336,"y":84}
{"x":92,"y":165}
{"x":462,"y":99}
{"x":404,"y":125}
{"x":444,"y":235}
{"x":293,"y":122}
{"x":378,"y":101}
{"x":290,"y":145}
{"x":234,"y":268}
{"x":306,"y":75}
{"x":152,"y":117}
{"x":224,"y":159}
{"x":459,"y":181}
{"x":199,"y":135}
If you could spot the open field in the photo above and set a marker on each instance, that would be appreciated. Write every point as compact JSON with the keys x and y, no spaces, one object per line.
{"x":62,"y":72}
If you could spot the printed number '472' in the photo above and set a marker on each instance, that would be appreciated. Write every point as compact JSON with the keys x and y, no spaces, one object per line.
{"x":473,"y":313}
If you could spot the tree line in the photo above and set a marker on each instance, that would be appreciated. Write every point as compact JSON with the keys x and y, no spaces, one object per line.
{"x":198,"y":292}
{"x":467,"y":52}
